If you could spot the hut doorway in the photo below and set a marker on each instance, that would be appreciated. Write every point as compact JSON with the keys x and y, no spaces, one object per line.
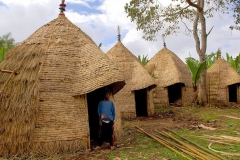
{"x":175,"y":93}
{"x":141,"y":102}
{"x":93,"y":98}
{"x":232,"y":92}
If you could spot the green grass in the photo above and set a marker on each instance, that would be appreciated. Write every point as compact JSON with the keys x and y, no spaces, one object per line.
{"x":147,"y":148}
{"x":144,"y":148}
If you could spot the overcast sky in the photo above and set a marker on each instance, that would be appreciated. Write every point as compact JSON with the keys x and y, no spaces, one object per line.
{"x":100,"y":18}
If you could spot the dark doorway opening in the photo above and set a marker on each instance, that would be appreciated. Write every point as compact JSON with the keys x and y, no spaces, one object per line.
{"x":232,"y":92}
{"x":141,"y":102}
{"x":175,"y":92}
{"x":93,"y":98}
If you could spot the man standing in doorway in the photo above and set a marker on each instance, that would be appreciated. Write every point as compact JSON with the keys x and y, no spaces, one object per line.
{"x":106,"y":112}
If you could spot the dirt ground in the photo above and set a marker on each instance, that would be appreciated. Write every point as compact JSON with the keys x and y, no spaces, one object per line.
{"x":171,"y":119}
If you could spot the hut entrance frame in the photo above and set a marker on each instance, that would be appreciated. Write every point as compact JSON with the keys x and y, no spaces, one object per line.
{"x":141,"y":102}
{"x":175,"y":92}
{"x":93,"y":99}
{"x":232,"y":93}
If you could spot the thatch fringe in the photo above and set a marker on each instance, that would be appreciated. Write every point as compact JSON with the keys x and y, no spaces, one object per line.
{"x":19,"y":100}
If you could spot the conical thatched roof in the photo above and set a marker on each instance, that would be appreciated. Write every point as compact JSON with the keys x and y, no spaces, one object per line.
{"x":58,"y":59}
{"x":136,"y":76}
{"x":168,"y":69}
{"x":226,"y":75}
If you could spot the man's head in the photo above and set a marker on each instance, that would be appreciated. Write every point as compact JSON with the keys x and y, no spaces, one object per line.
{"x":107,"y":95}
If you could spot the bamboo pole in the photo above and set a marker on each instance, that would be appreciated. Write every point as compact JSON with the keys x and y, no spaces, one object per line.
{"x":209,"y":151}
{"x":180,"y":148}
{"x":161,"y":142}
{"x":201,"y":152}
{"x":187,"y":146}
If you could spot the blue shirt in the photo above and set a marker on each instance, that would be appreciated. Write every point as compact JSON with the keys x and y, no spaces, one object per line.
{"x":106,"y":110}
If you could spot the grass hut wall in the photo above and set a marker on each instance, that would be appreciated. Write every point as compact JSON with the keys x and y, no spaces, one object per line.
{"x":172,"y":77}
{"x":46,"y":83}
{"x":222,"y":83}
{"x":135,"y":98}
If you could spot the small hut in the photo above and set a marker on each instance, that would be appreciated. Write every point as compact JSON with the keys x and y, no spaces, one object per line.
{"x":222,"y":83}
{"x":135,"y":98}
{"x":172,"y":77}
{"x":50,"y":86}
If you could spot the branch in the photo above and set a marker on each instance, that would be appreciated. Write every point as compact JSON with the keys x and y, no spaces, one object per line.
{"x":210,"y":31}
{"x":189,"y":30}
{"x":194,"y":5}
{"x":179,"y":12}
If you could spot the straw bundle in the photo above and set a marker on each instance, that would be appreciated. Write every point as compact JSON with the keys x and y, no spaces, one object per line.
{"x":219,"y":76}
{"x":168,"y":69}
{"x":43,"y":109}
{"x":136,"y":78}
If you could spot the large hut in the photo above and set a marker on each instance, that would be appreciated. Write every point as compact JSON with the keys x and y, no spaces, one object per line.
{"x":50,"y":86}
{"x":135,"y":98}
{"x":172,"y":77}
{"x":222,"y":83}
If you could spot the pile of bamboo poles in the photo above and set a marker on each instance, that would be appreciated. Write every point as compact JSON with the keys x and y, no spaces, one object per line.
{"x":189,"y":150}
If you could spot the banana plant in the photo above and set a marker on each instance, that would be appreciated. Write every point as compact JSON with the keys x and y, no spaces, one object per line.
{"x":2,"y":52}
{"x":196,"y":68}
{"x":144,"y":59}
{"x":234,"y":62}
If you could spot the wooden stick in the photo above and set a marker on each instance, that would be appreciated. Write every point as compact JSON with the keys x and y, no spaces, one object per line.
{"x":187,"y":146}
{"x":161,"y":142}
{"x":180,"y":147}
{"x":202,"y":154}
{"x":209,"y":151}
{"x":8,"y":71}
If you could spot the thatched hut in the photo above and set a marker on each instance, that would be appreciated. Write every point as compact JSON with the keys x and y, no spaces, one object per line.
{"x":50,"y":84}
{"x":172,"y":77}
{"x":135,"y":98}
{"x":222,"y":83}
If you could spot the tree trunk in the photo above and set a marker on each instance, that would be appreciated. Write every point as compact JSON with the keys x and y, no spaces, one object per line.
{"x":201,"y":46}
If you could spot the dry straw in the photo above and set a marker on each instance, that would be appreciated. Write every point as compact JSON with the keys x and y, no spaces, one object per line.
{"x":169,"y":69}
{"x":219,"y":76}
{"x":136,"y":78}
{"x":43,"y":109}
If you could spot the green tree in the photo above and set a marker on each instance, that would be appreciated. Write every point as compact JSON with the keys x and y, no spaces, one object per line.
{"x":151,"y":17}
{"x":144,"y":59}
{"x":6,"y":43}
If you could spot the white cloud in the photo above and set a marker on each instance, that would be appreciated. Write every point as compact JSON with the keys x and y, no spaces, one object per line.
{"x":83,"y":2}
{"x":24,"y":17}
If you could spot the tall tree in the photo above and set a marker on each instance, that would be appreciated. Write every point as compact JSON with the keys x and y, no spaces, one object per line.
{"x":151,"y":17}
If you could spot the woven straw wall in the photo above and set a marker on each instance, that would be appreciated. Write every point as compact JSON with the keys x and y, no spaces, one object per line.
{"x":118,"y":121}
{"x":43,"y":108}
{"x":150,"y":104}
{"x":168,"y":69}
{"x":219,"y":76}
{"x":125,"y":101}
{"x":187,"y":96}
{"x":160,"y":96}
{"x":136,"y":78}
